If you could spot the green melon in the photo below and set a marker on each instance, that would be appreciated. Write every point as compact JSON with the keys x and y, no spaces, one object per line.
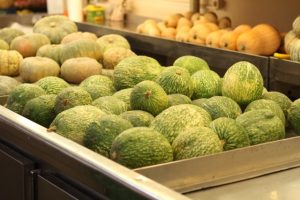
{"x":21,"y":94}
{"x":206,"y":84}
{"x":110,"y":105}
{"x":267,"y":104}
{"x":230,"y":132}
{"x":72,"y":123}
{"x":281,"y":99}
{"x":139,"y":147}
{"x":243,"y":83}
{"x":219,"y":106}
{"x":261,"y":126}
{"x":149,"y":96}
{"x":52,"y":84}
{"x":40,"y":109}
{"x":294,"y":115}
{"x":177,"y":99}
{"x":98,"y":80}
{"x":124,"y":95}
{"x":132,"y":70}
{"x":112,"y":40}
{"x":138,"y":118}
{"x":7,"y":84}
{"x":71,"y":97}
{"x":176,"y":80}
{"x":191,"y":63}
{"x":178,"y":118}
{"x":97,"y":91}
{"x":196,"y":142}
{"x":101,"y":133}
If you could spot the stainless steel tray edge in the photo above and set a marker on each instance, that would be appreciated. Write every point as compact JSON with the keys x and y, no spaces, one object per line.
{"x":226,"y":167}
{"x":29,"y":131}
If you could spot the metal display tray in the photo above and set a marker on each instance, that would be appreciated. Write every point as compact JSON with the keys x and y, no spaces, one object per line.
{"x":284,"y":77}
{"x":166,"y":51}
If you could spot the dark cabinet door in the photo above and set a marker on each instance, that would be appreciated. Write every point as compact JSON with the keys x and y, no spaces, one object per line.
{"x":15,"y":178}
{"x":49,"y":188}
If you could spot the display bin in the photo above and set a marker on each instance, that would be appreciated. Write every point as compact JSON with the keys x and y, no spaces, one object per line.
{"x":285,"y":77}
{"x":166,"y":51}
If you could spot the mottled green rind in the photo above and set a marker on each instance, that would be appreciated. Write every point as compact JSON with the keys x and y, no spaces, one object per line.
{"x":243,"y":83}
{"x":196,"y":142}
{"x":294,"y":116}
{"x":72,"y":123}
{"x":80,"y":48}
{"x":101,"y":133}
{"x":176,"y":80}
{"x":110,"y":105}
{"x":149,"y":96}
{"x":138,"y":118}
{"x":230,"y":132}
{"x":71,"y":97}
{"x":112,"y":40}
{"x":21,"y":94}
{"x":281,"y":99}
{"x":261,"y":126}
{"x":52,"y":84}
{"x":191,"y":63}
{"x":124,"y":95}
{"x":132,"y":70}
{"x":139,"y":147}
{"x":219,"y":106}
{"x":7,"y":84}
{"x":97,"y":91}
{"x":267,"y":104}
{"x":98,"y":80}
{"x":206,"y":84}
{"x":178,"y":118}
{"x":41,"y":109}
{"x":8,"y":34}
{"x":177,"y":99}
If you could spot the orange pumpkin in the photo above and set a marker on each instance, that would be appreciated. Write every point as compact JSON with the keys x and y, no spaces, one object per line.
{"x":228,"y":40}
{"x":213,"y":39}
{"x":242,"y":28}
{"x":264,"y":40}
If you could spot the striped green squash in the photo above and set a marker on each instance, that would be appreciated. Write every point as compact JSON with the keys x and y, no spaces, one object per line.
{"x":243,"y":83}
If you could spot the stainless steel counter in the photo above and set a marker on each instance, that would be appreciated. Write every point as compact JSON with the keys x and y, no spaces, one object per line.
{"x":284,"y":185}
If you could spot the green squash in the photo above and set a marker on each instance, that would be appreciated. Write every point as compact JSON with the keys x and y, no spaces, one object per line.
{"x":8,"y":34}
{"x":191,"y":63}
{"x":51,"y":51}
{"x":138,"y":118}
{"x":52,"y":84}
{"x":294,"y":116}
{"x":110,"y":105}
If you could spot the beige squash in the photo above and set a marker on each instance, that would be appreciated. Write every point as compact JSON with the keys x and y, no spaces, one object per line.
{"x":198,"y":34}
{"x":213,"y":39}
{"x":228,"y":40}
{"x":172,"y":20}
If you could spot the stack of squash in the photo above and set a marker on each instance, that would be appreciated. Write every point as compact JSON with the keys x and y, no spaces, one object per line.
{"x":292,"y":41}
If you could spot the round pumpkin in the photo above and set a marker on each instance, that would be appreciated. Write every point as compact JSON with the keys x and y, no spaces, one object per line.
{"x":242,"y":28}
{"x":50,"y":51}
{"x":28,"y":44}
{"x":75,"y":70}
{"x":78,"y":35}
{"x":228,"y":40}
{"x":80,"y":48}
{"x":55,"y":27}
{"x":263,"y":39}
{"x":33,"y":69}
{"x":8,"y":34}
{"x":296,"y":26}
{"x":3,"y":45}
{"x":10,"y":62}
{"x":289,"y":39}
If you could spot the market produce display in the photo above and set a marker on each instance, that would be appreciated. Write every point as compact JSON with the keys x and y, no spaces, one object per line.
{"x":142,"y":113}
{"x":207,"y":29}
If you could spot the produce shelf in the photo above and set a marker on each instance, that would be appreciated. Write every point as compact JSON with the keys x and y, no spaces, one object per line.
{"x":285,"y":77}
{"x":167,"y":51}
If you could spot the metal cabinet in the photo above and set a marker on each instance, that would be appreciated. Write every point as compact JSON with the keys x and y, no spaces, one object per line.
{"x":15,"y":177}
